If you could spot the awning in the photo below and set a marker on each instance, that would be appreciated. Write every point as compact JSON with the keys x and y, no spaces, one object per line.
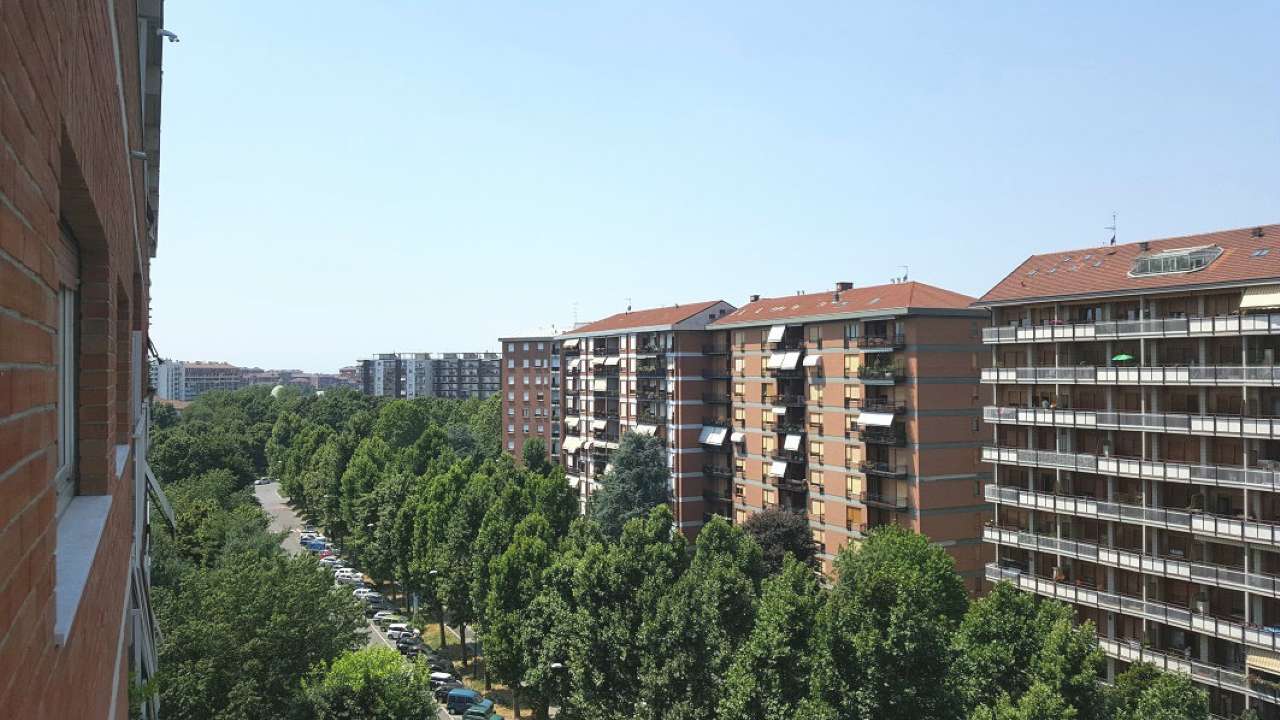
{"x":712,"y":435}
{"x":572,"y":444}
{"x":737,"y":436}
{"x":791,"y":442}
{"x":791,"y":361}
{"x":646,"y":429}
{"x":875,"y":419}
{"x":571,"y":420}
{"x":779,"y":411}
{"x":588,"y":444}
{"x":572,"y":343}
{"x":597,"y":360}
{"x":157,"y":494}
{"x":778,"y":468}
{"x":599,"y":424}
{"x":600,"y":384}
{"x":573,"y":364}
{"x":1261,"y":297}
{"x":776,"y":332}
{"x":775,"y":360}
{"x":1263,"y":661}
{"x":812,"y":360}
{"x":612,"y":360}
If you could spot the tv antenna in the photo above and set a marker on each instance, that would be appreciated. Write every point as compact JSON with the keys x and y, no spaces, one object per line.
{"x":1112,"y":228}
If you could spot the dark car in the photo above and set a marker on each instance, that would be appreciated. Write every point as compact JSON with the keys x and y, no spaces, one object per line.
{"x":442,"y":692}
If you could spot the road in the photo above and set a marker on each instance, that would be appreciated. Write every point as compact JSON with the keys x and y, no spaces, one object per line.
{"x":283,"y":519}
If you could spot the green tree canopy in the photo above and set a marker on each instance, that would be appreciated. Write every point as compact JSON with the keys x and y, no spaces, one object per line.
{"x":779,"y":531}
{"x":371,"y":684}
{"x":636,"y":484}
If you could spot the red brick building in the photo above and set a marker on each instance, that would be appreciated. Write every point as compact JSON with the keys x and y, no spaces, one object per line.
{"x":530,"y":393}
{"x":79,"y":151}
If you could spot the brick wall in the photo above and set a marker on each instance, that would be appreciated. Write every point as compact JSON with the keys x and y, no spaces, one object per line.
{"x":63,"y":158}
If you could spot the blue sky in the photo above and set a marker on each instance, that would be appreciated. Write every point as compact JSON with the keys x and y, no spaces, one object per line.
{"x":346,"y":178}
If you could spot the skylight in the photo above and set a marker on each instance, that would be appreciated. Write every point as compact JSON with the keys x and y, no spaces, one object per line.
{"x":1181,"y":260}
{"x":1261,"y":252}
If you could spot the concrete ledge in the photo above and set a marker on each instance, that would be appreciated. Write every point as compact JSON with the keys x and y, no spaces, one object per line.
{"x":79,"y":533}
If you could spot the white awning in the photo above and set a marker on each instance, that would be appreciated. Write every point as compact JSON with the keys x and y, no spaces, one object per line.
{"x":1261,"y":297}
{"x":712,"y":435}
{"x":157,"y":494}
{"x":600,"y":384}
{"x":598,"y":360}
{"x":778,"y":468}
{"x":646,"y":429}
{"x":612,"y":360}
{"x":599,"y":424}
{"x":572,"y":343}
{"x":737,"y":436}
{"x":588,"y":444}
{"x":779,"y":411}
{"x":876,"y":419}
{"x":573,"y":364}
{"x":812,"y":360}
{"x":1263,"y":661}
{"x":776,"y":332}
{"x":572,"y":444}
{"x":791,"y":361}
{"x":775,"y":360}
{"x":792,"y":442}
{"x":571,"y":420}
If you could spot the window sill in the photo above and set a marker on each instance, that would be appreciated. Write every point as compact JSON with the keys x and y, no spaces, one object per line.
{"x":79,"y":534}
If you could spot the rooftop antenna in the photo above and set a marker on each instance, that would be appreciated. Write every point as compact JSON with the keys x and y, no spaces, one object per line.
{"x":904,"y":273}
{"x":1112,"y":228}
{"x":575,"y":313}
{"x":628,"y":304}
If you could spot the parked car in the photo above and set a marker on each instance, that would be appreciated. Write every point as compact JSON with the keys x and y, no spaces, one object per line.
{"x":372,"y":597}
{"x":440,"y":678}
{"x":330,"y":561}
{"x":397,"y":630}
{"x":482,"y":710}
{"x":384,"y":618}
{"x":363,"y":592}
{"x":442,"y":692}
{"x":346,"y":575}
{"x":459,"y":700}
{"x":410,"y":642}
{"x":262,"y":481}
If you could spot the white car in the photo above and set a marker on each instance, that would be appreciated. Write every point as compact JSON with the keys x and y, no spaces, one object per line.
{"x":306,"y":537}
{"x":371,"y":597}
{"x":331,"y":561}
{"x":395,"y":631}
{"x":382,"y":615}
{"x":363,"y":592}
{"x":347,"y":576}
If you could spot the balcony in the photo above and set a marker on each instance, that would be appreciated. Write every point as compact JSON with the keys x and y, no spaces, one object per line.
{"x":790,"y":456}
{"x":882,"y":469}
{"x":655,"y":395}
{"x":651,"y":418}
{"x":1213,"y":475}
{"x":872,"y":343}
{"x":875,"y":499}
{"x":1153,"y":375}
{"x":717,"y":420}
{"x":788,"y":428}
{"x":881,"y":374}
{"x":1170,"y":567}
{"x":1192,"y":521}
{"x":879,"y":405}
{"x":1171,"y":615}
{"x":1266,"y":428}
{"x":650,"y":349}
{"x":788,"y":400}
{"x":605,"y":413}
{"x":1259,"y":324}
{"x":651,"y":372}
{"x":893,"y":436}
{"x":716,"y":398}
{"x":715,"y":349}
{"x":717,"y":471}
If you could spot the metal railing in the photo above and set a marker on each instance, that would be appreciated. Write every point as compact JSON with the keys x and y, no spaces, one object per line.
{"x":715,"y":349}
{"x":1168,"y":422}
{"x":876,"y":405}
{"x":1215,"y":475}
{"x":882,"y":469}
{"x":1262,"y":323}
{"x":882,"y":373}
{"x":893,"y":436}
{"x":872,"y":342}
{"x":1233,"y":375}
{"x":895,"y":502}
{"x":784,"y":399}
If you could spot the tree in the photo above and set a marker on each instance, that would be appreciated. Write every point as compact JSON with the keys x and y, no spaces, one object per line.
{"x":1040,"y":702}
{"x":514,"y":580}
{"x":779,"y":531}
{"x":535,"y":456}
{"x":995,"y":645}
{"x":1122,"y":697}
{"x":1069,"y":660}
{"x":636,"y":484}
{"x":1144,"y":693}
{"x":769,"y":677}
{"x":371,"y":684}
{"x":882,"y":638}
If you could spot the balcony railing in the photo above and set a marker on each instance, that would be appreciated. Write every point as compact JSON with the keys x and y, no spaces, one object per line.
{"x":1193,"y":521}
{"x":651,"y":394}
{"x":1171,"y":615}
{"x":789,"y":399}
{"x":715,"y":349}
{"x":876,"y":405}
{"x":789,"y":428}
{"x":1193,"y":375}
{"x":1259,"y":324}
{"x":881,"y":373}
{"x":882,"y":469}
{"x":717,"y":471}
{"x":880,"y":342}
{"x":892,"y":436}
{"x":1171,"y":567}
{"x":791,"y":456}
{"x":651,"y":372}
{"x":650,"y":349}
{"x":717,"y":420}
{"x":893,"y":502}
{"x":1215,"y":475}
{"x":1231,"y":425}
{"x":651,"y":418}
{"x":716,"y":398}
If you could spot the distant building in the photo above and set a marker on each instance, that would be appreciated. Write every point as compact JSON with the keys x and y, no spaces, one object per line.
{"x":180,"y":380}
{"x":531,"y":393}
{"x":467,"y":375}
{"x":397,"y":375}
{"x":413,"y":375}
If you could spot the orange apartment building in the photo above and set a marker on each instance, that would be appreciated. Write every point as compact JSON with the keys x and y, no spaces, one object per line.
{"x":858,"y":407}
{"x":1135,"y":446}
{"x":531,"y":393}
{"x":645,"y":371}
{"x":79,"y":192}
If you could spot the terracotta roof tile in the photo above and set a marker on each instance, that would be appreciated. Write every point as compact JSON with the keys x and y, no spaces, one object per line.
{"x":1106,"y":269}
{"x":644,"y":318}
{"x":876,"y":297}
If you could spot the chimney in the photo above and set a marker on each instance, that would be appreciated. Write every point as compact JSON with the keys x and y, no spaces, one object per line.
{"x":842,"y":286}
{"x":1257,"y":232}
{"x":1144,"y":246}
{"x":755,"y":298}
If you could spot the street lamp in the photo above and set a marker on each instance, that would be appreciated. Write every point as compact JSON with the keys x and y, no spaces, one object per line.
{"x":556,"y":667}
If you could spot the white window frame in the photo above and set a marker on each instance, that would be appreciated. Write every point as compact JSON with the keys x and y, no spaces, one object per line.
{"x":66,"y":474}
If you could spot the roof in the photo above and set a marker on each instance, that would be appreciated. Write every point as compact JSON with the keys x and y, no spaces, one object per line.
{"x":874,"y":299}
{"x":1105,"y":270}
{"x":652,"y":317}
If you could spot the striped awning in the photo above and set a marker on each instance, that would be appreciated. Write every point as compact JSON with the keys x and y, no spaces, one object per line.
{"x":1261,"y":297}
{"x":1263,"y":661}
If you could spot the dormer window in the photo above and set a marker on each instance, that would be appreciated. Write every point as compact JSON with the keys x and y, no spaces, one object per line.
{"x":1182,"y":260}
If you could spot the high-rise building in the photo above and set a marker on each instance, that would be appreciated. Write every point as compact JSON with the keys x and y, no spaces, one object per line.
{"x":531,"y":393}
{"x":644,"y":371}
{"x":467,"y":375}
{"x":858,"y":407}
{"x":79,"y":202}
{"x":1136,"y":452}
{"x":397,"y":375}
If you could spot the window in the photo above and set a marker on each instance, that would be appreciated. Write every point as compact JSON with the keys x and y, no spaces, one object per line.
{"x":511,"y":428}
{"x":526,"y":428}
{"x":851,"y":330}
{"x":511,"y":363}
{"x":852,"y":486}
{"x":537,"y":362}
{"x":739,"y":468}
{"x":814,"y":333}
{"x":541,"y":428}
{"x":770,"y":497}
{"x":767,"y":444}
{"x":526,"y":379}
{"x":764,"y":469}
{"x":739,"y":365}
{"x":818,"y":508}
{"x":526,"y":347}
{"x":511,"y":347}
{"x":511,"y":379}
{"x":526,"y":399}
{"x":815,"y":477}
{"x":524,"y":412}
{"x":68,"y":330}
{"x":739,"y":338}
{"x":541,"y":346}
{"x":1176,"y":261}
{"x":511,"y":412}
{"x":739,"y":389}
{"x":815,"y":419}
{"x":816,"y":448}
{"x":511,"y":396}
{"x":850,"y":365}
{"x":815,"y":393}
{"x":764,"y":336}
{"x":850,"y":456}
{"x":511,"y":445}
{"x":850,"y":393}
{"x":740,"y":516}
{"x":740,"y":417}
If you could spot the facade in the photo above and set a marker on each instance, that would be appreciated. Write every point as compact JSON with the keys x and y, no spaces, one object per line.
{"x":858,"y":407}
{"x":78,"y":229}
{"x":180,"y":380}
{"x":531,"y":393}
{"x":467,"y":375}
{"x":1135,"y":452}
{"x":397,"y":375}
{"x":645,"y":371}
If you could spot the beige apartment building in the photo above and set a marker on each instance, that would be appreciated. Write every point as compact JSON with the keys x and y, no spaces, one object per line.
{"x":858,"y":407}
{"x":645,"y":371}
{"x":1135,"y":428}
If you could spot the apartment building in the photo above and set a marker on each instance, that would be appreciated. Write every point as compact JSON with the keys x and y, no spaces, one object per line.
{"x":646,"y":371}
{"x":1133,"y":409}
{"x":856,"y":406}
{"x":531,"y":393}
{"x":398,"y":375}
{"x":467,"y":375}
{"x":80,"y":98}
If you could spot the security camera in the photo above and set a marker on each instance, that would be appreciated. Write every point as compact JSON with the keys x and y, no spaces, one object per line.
{"x":166,"y":34}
